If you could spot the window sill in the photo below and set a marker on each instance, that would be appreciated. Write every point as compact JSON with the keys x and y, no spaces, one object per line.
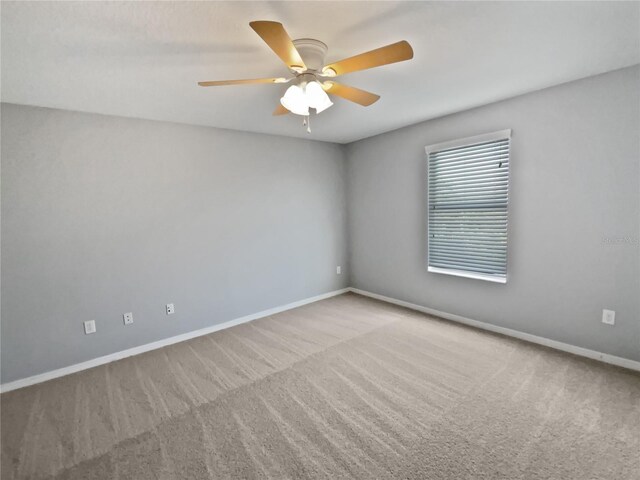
{"x":462,"y":273}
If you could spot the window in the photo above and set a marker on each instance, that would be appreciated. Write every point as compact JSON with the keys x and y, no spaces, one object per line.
{"x":467,"y":206}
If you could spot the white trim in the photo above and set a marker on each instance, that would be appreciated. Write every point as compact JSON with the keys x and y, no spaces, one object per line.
{"x":462,"y":273}
{"x":462,"y":142}
{"x":43,"y":377}
{"x":565,"y":347}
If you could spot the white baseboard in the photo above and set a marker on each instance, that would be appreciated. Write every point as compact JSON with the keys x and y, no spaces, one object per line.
{"x":584,"y":352}
{"x":565,"y":347}
{"x":43,"y":377}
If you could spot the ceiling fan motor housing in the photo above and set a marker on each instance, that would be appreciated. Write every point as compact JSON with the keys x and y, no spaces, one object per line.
{"x":313,"y":53}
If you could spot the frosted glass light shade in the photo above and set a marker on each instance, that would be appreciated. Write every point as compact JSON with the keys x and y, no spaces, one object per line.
{"x":317,"y":97}
{"x":295,"y":100}
{"x":299,"y":99}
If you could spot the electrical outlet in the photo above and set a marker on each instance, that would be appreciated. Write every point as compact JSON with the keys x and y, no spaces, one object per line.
{"x":609,"y":317}
{"x":89,"y":327}
{"x":339,"y":270}
{"x":128,"y":318}
{"x":171,"y":309}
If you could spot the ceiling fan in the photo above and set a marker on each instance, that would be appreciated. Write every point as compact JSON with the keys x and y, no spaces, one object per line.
{"x":311,"y":77}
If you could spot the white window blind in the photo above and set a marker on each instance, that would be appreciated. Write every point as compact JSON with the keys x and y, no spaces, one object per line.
{"x":467,"y":206}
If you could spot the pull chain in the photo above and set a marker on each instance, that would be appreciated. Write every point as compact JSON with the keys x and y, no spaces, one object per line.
{"x":306,"y":123}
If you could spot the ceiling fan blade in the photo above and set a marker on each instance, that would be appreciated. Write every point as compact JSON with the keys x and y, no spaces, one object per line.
{"x":280,"y":110}
{"x":274,"y":35}
{"x":218,"y":83}
{"x":396,"y":52}
{"x":352,"y":94}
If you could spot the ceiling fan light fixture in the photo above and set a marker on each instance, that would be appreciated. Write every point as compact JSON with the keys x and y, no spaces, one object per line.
{"x":295,"y":100}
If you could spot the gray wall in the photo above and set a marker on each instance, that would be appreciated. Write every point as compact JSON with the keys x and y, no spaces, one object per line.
{"x":104,"y":215}
{"x":575,"y":182}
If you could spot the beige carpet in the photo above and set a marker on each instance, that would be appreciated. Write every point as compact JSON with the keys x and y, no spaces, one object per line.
{"x":344,"y":388}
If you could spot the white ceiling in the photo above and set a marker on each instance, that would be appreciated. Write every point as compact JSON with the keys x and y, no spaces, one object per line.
{"x":143,"y":59}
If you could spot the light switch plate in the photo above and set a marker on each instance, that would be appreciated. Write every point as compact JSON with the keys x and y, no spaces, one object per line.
{"x":339,"y":270}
